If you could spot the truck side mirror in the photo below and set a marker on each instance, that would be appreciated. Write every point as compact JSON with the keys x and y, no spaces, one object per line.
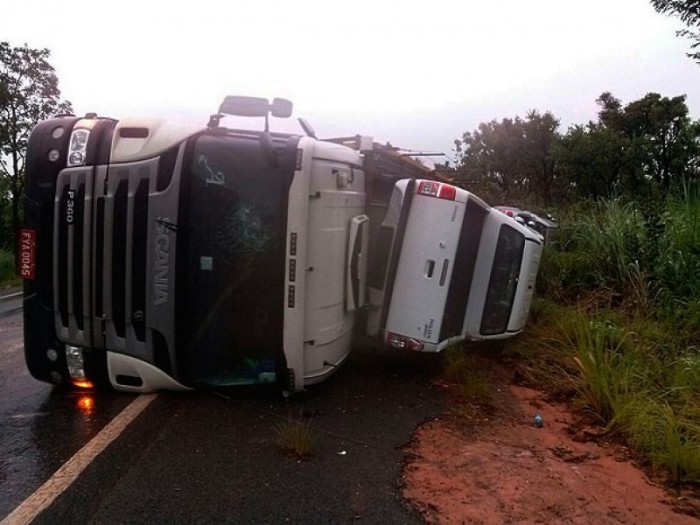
{"x":244,"y":106}
{"x":255,"y":107}
{"x":281,"y":108}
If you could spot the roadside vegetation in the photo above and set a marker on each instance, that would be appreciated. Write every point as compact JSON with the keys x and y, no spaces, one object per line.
{"x":616,"y":326}
{"x":8,"y":276}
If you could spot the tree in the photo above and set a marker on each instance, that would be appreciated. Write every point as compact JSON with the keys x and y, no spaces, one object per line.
{"x":593,"y":160}
{"x":28,"y":93}
{"x":689,"y":13}
{"x":510,"y":159}
{"x":662,"y":139}
{"x":489,"y":157}
{"x":669,"y":138}
{"x":650,"y":141}
{"x":538,"y":162}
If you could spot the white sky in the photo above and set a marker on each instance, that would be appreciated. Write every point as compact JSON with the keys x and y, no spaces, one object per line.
{"x":418,"y":74}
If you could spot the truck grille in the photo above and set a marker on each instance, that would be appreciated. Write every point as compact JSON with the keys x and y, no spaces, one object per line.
{"x":125,"y":255}
{"x":103,"y":274}
{"x":117,"y":252}
{"x":71,"y":265}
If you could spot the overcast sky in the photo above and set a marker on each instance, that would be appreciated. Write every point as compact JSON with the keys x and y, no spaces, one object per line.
{"x":417,"y":74}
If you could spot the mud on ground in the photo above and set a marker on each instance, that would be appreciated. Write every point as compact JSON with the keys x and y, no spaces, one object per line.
{"x":491,"y":464}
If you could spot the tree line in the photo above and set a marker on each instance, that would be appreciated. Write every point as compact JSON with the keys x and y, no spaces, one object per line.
{"x":29,"y":93}
{"x":649,"y":145}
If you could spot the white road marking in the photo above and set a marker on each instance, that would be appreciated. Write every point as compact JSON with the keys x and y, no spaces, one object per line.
{"x":29,"y":416}
{"x":68,"y":473}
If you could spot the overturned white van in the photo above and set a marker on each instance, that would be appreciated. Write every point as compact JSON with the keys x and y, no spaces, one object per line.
{"x":449,"y":267}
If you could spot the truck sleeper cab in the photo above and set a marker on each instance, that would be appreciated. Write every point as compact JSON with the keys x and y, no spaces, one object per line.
{"x":428,"y":280}
{"x":169,"y":256}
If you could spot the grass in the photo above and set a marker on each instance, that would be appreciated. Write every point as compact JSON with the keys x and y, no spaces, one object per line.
{"x":616,"y":326}
{"x":297,"y":437}
{"x":643,"y":385}
{"x":464,"y":371}
{"x":607,"y":371}
{"x":667,"y":436}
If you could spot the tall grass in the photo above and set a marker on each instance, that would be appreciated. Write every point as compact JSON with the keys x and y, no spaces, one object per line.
{"x":643,"y":385}
{"x":678,"y":265}
{"x":607,"y":371}
{"x":669,"y":436}
{"x":622,"y":322}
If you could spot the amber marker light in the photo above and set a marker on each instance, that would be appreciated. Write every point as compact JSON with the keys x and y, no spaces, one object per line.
{"x":84,"y":383}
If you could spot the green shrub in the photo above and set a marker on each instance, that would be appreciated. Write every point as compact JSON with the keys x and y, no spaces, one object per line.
{"x":678,"y":265}
{"x":563,"y":275}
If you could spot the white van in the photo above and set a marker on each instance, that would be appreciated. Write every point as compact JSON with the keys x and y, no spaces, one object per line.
{"x":449,"y":267}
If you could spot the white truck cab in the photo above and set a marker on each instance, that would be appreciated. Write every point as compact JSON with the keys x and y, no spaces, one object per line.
{"x":163,"y":256}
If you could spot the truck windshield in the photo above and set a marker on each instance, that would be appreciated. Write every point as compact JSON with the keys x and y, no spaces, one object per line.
{"x":231,"y":260}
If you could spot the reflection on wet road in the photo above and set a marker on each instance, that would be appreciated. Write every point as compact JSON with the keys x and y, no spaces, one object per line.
{"x":40,"y":427}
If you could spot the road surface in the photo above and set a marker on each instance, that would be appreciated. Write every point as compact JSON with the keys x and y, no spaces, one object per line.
{"x":212,"y":457}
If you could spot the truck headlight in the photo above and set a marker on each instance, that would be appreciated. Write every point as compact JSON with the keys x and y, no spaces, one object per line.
{"x":77,"y":150}
{"x":75,"y":362}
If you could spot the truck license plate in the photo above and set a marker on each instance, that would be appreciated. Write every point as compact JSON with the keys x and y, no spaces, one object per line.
{"x":27,"y":253}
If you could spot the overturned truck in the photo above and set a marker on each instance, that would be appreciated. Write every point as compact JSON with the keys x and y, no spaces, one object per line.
{"x":165,"y":256}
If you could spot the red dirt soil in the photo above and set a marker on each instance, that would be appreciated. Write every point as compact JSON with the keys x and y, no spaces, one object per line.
{"x":510,"y":471}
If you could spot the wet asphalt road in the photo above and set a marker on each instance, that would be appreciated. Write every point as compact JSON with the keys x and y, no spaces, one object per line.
{"x":40,"y":427}
{"x":211,"y":457}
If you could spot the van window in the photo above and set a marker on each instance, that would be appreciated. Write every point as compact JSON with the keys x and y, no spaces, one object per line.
{"x":503,"y":281}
